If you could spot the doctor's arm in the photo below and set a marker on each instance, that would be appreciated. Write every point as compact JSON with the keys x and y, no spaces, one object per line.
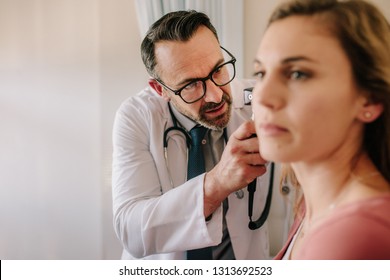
{"x":146,"y":221}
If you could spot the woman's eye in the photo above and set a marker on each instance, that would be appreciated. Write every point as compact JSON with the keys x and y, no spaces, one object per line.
{"x":259,"y":75}
{"x":298,"y":75}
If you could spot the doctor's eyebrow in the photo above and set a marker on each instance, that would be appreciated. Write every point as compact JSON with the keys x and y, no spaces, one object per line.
{"x":188,"y":80}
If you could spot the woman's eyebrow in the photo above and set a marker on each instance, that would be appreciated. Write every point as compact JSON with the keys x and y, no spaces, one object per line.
{"x":289,"y":59}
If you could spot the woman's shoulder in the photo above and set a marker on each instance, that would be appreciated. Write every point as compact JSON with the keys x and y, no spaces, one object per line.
{"x":360,"y":230}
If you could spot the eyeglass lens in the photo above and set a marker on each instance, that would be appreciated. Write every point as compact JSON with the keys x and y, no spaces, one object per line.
{"x":197,"y":89}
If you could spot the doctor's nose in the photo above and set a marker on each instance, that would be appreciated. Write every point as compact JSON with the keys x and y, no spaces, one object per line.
{"x":213,"y":93}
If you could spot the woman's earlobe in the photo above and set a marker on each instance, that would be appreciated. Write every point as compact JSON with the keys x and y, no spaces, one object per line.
{"x":370,"y":112}
{"x":367,"y":115}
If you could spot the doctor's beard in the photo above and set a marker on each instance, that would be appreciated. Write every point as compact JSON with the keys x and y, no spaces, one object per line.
{"x":219,"y":122}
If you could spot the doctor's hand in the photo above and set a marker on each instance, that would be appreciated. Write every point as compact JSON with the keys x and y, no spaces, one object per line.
{"x":240,"y":164}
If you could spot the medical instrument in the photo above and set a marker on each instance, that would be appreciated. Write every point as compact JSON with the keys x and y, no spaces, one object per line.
{"x":165,"y":141}
{"x":252,"y":185}
{"x":251,"y":190}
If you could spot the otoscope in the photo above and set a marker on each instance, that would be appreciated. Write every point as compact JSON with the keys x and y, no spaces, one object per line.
{"x":252,"y":185}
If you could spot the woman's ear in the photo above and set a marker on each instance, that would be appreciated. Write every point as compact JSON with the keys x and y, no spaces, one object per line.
{"x":159,"y":89}
{"x":370,"y":112}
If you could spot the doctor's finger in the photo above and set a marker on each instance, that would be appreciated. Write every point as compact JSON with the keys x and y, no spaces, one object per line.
{"x":255,"y":159}
{"x":255,"y":171}
{"x":245,"y":131}
{"x":251,"y":145}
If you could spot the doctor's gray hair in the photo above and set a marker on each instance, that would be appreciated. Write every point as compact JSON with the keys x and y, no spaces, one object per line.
{"x":174,"y":26}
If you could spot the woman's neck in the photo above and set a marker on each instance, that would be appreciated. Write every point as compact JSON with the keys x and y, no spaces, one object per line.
{"x":330,"y":184}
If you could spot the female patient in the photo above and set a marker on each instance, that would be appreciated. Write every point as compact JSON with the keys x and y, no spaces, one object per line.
{"x":321,"y":104}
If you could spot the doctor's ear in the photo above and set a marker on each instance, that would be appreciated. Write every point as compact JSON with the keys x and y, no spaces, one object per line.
{"x":370,"y":112}
{"x":159,"y":89}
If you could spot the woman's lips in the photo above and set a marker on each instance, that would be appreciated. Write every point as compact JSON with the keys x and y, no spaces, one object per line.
{"x":272,"y":130}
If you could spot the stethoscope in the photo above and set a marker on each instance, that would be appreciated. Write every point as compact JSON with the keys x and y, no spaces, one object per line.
{"x":240,"y":194}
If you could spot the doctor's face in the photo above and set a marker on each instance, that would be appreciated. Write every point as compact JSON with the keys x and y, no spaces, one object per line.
{"x":306,"y":103}
{"x":179,"y":63}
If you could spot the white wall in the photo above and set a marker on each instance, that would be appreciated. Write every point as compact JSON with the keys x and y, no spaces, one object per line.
{"x":122,"y":74}
{"x":256,"y":17}
{"x":50,"y":131}
{"x":65,"y":66}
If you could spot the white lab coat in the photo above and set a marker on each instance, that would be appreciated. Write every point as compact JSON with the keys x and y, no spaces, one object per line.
{"x":155,"y":221}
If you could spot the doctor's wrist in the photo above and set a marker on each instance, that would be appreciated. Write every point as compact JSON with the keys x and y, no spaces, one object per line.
{"x":213,"y":195}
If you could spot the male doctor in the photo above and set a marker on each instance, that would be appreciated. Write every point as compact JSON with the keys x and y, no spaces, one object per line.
{"x":159,"y":212}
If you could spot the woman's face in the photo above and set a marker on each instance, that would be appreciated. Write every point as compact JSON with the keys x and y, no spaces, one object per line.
{"x":306,"y":103}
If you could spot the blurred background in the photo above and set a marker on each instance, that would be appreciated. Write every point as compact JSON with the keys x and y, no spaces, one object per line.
{"x":65,"y":67}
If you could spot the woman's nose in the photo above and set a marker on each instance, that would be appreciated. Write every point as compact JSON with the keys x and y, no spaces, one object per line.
{"x":269,"y":93}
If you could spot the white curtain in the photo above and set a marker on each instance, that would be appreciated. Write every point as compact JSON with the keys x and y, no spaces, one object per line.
{"x":225,"y":15}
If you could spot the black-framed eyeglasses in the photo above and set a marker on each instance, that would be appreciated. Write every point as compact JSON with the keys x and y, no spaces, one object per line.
{"x":196,"y":89}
